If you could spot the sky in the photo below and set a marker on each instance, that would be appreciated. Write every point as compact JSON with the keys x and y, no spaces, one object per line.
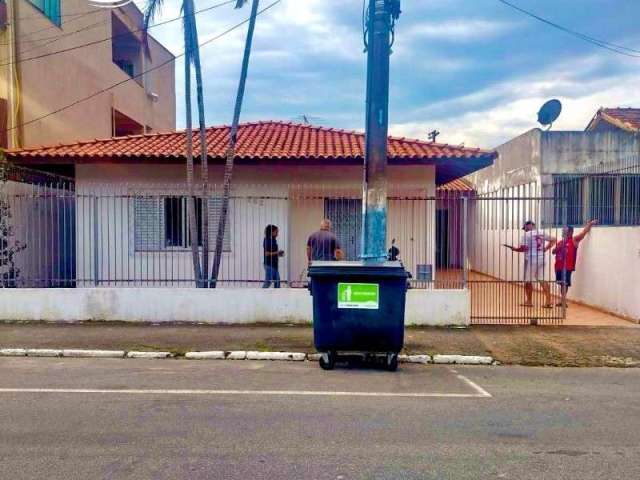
{"x":475,"y":70}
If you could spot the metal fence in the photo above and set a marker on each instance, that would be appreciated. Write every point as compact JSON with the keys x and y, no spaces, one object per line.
{"x":508,"y":283}
{"x":139,"y":235}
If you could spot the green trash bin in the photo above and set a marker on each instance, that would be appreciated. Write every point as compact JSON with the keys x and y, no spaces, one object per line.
{"x":358,"y":308}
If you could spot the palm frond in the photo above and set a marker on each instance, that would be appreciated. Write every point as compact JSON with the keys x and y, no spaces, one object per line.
{"x":151,"y":9}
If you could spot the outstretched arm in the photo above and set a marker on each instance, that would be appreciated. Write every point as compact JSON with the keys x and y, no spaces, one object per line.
{"x":550,"y":244}
{"x":585,"y":231}
{"x":520,"y":249}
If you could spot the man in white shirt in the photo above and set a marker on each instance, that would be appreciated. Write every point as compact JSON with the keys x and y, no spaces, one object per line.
{"x":534,"y":244}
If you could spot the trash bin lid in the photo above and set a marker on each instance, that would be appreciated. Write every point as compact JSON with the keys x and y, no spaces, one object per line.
{"x":357,"y":268}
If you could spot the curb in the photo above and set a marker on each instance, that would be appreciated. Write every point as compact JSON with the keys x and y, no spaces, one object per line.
{"x":215,"y":355}
{"x":422,"y":359}
{"x":281,"y":356}
{"x":43,"y":352}
{"x":93,"y":353}
{"x":462,"y":360}
{"x":148,"y":354}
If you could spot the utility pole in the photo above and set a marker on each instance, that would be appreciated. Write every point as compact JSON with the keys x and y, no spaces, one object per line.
{"x":379,"y":35}
{"x":433,"y":134}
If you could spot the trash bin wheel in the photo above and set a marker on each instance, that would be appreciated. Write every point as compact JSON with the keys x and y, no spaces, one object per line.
{"x":392,"y":362}
{"x":327,"y":360}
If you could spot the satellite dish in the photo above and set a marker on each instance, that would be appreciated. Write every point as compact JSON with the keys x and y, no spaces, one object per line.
{"x":549,"y":112}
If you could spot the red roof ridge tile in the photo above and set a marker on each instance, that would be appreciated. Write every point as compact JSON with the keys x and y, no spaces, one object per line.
{"x":437,"y":144}
{"x":261,"y":139}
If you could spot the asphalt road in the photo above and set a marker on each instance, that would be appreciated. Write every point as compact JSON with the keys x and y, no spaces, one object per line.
{"x":170,"y":419}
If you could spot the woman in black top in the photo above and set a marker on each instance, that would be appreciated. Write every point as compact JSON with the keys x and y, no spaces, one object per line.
{"x":271,"y":256}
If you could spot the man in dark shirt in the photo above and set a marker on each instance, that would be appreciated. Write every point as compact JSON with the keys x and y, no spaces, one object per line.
{"x":323,"y":244}
{"x":271,"y":256}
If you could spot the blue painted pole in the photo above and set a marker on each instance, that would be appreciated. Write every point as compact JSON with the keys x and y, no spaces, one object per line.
{"x":381,"y":17}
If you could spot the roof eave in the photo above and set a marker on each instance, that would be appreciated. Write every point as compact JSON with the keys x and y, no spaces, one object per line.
{"x":310,"y":160}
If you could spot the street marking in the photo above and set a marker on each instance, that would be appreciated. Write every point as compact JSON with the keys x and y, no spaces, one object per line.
{"x":481,"y":392}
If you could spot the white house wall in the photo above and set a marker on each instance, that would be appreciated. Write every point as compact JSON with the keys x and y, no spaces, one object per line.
{"x":608,"y":271}
{"x":106,"y":253}
{"x":108,"y":245}
{"x":217,"y":307}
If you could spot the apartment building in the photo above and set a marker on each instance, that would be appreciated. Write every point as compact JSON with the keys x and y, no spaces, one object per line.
{"x":54,"y":53}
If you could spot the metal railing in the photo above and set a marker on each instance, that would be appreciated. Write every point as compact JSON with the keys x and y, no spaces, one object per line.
{"x":133,"y":236}
{"x":512,"y":273}
{"x":608,"y":192}
{"x":139,"y":235}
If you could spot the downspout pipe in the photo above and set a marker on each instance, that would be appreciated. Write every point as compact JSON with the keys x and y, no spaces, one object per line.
{"x":379,"y":33}
{"x":13,"y":88}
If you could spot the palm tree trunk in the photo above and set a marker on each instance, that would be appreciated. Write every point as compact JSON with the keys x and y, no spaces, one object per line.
{"x":191,"y":210}
{"x":203,"y":153}
{"x":231,"y":150}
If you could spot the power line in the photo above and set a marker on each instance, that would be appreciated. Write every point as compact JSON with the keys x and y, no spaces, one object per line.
{"x":156,"y":67}
{"x":620,"y":49}
{"x":56,"y":27}
{"x":96,"y":42}
{"x":57,"y":38}
{"x":41,"y":15}
{"x":77,"y":15}
{"x":53,"y":37}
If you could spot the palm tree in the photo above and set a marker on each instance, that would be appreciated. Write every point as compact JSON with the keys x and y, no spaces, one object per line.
{"x":152,"y":8}
{"x":192,"y":57}
{"x":233,"y":134}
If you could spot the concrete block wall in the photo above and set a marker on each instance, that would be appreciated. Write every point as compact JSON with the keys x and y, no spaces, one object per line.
{"x":220,"y":306}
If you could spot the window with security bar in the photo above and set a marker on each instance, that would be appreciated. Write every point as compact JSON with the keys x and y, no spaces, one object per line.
{"x":162,"y":223}
{"x":176,"y":224}
{"x":612,"y":199}
{"x":602,"y":199}
{"x":630,"y":199}
{"x":569,"y":188}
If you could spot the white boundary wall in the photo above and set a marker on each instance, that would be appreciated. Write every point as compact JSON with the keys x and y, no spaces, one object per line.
{"x":607,"y":273}
{"x":221,"y":306}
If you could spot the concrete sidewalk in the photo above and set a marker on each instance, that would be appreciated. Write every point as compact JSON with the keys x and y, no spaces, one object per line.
{"x":522,"y":345}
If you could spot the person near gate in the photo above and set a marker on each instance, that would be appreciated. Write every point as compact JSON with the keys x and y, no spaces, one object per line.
{"x":323,"y":244}
{"x":271,"y":256}
{"x":566,"y":252}
{"x":534,"y":244}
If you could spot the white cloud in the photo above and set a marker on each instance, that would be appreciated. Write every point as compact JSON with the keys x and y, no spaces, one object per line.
{"x":491,"y":116}
{"x":458,"y":30}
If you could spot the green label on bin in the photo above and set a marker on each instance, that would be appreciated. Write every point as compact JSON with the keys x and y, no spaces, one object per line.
{"x":359,"y":295}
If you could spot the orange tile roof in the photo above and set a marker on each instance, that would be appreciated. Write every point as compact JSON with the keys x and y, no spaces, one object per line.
{"x":624,"y":118}
{"x":271,"y":140}
{"x":459,"y":185}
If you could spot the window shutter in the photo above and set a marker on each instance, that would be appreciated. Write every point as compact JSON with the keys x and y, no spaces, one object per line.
{"x":215,"y":209}
{"x":52,"y":10}
{"x":148,"y":224}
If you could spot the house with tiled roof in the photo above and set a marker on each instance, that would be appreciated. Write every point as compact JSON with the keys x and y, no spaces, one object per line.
{"x":611,"y":119}
{"x":131,"y":225}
